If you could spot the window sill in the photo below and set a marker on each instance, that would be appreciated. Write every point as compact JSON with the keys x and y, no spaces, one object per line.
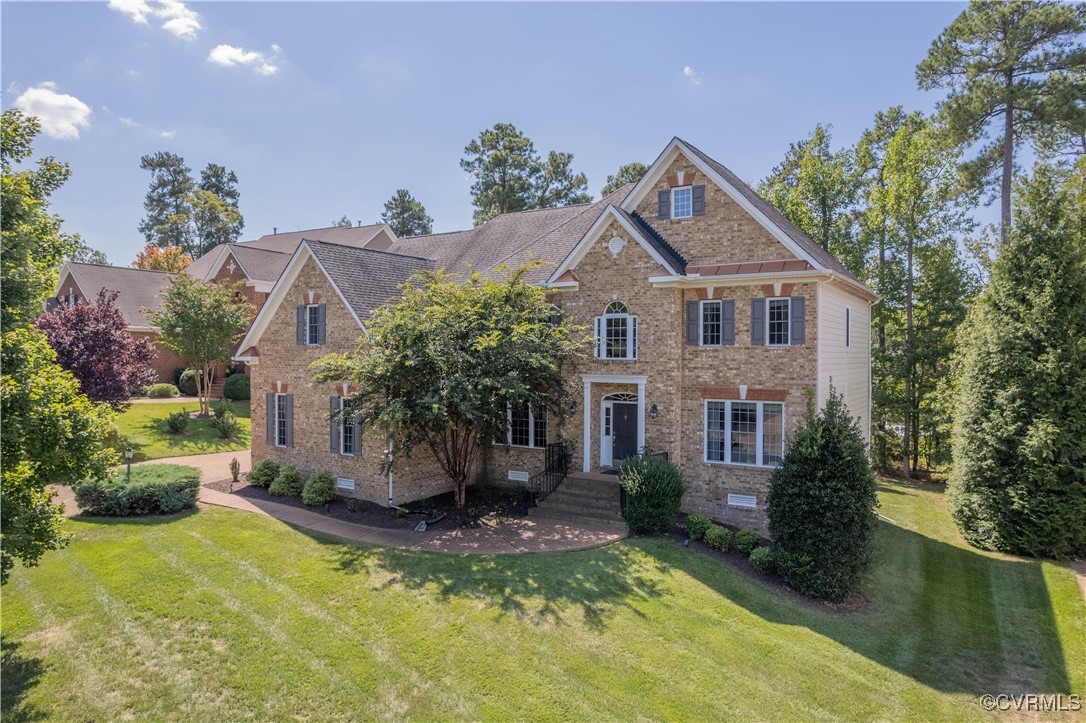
{"x":741,"y":465}
{"x":517,"y":446}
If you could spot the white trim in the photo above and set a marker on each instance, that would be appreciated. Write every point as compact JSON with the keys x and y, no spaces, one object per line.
{"x":695,"y":281}
{"x":687,"y":187}
{"x":515,"y":475}
{"x":588,"y":379}
{"x":818,"y":348}
{"x":607,"y":414}
{"x":596,"y":230}
{"x":262,"y":286}
{"x":344,"y":483}
{"x":221,"y":261}
{"x":279,"y":291}
{"x":737,"y":500}
{"x":342,"y":432}
{"x":701,"y":322}
{"x":664,"y":160}
{"x":759,"y":431}
{"x":141,"y":328}
{"x":531,"y":430}
{"x":275,"y":422}
{"x":788,"y":324}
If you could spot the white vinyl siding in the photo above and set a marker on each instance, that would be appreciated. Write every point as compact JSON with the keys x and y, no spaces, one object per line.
{"x":744,"y":433}
{"x":844,"y":350}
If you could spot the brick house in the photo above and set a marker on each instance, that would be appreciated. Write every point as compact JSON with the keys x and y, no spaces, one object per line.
{"x":714,"y":319}
{"x":255,"y":264}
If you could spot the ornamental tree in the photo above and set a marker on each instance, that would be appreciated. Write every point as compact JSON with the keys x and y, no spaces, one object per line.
{"x":162,"y":258}
{"x":440,"y":368}
{"x":93,"y":343}
{"x":1018,"y":483}
{"x":201,"y":322}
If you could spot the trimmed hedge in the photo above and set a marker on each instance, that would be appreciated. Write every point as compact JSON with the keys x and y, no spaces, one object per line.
{"x":318,"y":489}
{"x":746,"y":541}
{"x":263,"y":473}
{"x":187,"y":382}
{"x":654,"y":491}
{"x":161,"y":391}
{"x":761,"y":559}
{"x":236,"y":387}
{"x":153,"y":489}
{"x":696,"y":525}
{"x":718,"y":537}
{"x":289,"y":483}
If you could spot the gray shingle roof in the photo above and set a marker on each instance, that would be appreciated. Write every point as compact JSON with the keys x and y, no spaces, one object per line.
{"x":287,"y":242}
{"x":138,"y":288}
{"x":260,"y":264}
{"x":825,"y":258}
{"x":366,"y":278}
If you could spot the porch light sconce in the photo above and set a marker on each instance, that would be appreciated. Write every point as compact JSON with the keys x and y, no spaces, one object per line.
{"x":653,"y":412}
{"x":573,"y":405}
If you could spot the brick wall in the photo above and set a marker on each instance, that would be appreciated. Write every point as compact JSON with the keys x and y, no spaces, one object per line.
{"x":165,"y":361}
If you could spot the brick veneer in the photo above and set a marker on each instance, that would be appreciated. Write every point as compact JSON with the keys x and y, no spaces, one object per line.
{"x":165,"y":361}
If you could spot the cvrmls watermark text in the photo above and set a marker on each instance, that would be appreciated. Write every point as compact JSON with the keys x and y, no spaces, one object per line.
{"x":1041,"y":702}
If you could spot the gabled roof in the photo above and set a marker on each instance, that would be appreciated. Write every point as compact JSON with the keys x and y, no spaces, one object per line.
{"x":257,"y":263}
{"x":138,"y":288}
{"x":548,"y":234}
{"x":287,"y":242}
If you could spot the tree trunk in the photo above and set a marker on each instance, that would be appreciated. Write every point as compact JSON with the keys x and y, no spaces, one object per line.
{"x":883,"y":463}
{"x":907,"y":416}
{"x":1008,"y":163}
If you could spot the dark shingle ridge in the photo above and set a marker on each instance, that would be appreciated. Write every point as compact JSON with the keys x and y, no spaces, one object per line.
{"x":118,"y":268}
{"x":362,"y":248}
{"x":656,"y":239}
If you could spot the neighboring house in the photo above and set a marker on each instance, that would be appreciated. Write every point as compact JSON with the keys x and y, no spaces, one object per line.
{"x":715,"y":318}
{"x":254,"y":264}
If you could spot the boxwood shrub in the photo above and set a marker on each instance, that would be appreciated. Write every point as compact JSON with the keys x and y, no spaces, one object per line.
{"x":236,"y":387}
{"x":761,"y":559}
{"x":696,"y":525}
{"x":654,"y":491}
{"x":161,"y":391}
{"x":177,"y":422}
{"x":718,"y":537}
{"x":187,"y":382}
{"x":289,"y":483}
{"x":263,"y":473}
{"x":318,"y":489}
{"x":746,"y":541}
{"x":153,"y":489}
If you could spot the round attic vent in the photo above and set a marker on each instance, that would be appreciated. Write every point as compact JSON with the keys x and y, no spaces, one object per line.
{"x":615,"y":245}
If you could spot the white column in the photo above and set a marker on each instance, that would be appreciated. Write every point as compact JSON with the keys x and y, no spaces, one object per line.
{"x":587,"y":463}
{"x":640,"y":416}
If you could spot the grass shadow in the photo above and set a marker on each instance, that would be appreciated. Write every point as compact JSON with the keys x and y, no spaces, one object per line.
{"x":147,"y":520}
{"x":539,"y":587}
{"x":20,"y":675}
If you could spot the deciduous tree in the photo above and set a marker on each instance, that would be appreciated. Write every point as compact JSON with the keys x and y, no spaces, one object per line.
{"x":92,"y":342}
{"x":406,"y":216}
{"x":214,"y":221}
{"x":162,"y":258}
{"x":440,"y":368}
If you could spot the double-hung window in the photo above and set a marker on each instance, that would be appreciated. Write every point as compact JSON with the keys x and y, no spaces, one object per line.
{"x":616,"y":333}
{"x":749,"y":433}
{"x":778,"y":322}
{"x":348,"y":430}
{"x":312,"y":324}
{"x":682,"y":202}
{"x":712,"y":323}
{"x":280,"y":420}
{"x":524,"y":428}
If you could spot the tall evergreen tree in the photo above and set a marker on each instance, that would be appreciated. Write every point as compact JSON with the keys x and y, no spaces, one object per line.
{"x":224,"y":184}
{"x":997,"y":59}
{"x":214,"y":222}
{"x":343,"y":222}
{"x":1019,"y":478}
{"x":168,"y":204}
{"x":557,"y":185}
{"x":406,"y":216}
{"x":627,"y":173}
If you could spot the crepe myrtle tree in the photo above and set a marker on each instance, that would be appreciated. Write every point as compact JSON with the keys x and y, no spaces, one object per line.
{"x":440,"y":368}
{"x":201,"y":322}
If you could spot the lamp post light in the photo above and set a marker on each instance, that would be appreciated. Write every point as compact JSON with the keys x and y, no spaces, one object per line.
{"x":128,"y":457}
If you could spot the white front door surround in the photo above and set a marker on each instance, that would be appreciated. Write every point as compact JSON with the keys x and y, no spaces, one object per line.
{"x":589,"y":431}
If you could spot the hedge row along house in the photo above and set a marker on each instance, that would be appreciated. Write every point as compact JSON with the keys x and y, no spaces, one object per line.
{"x":255,"y":264}
{"x":714,"y":319}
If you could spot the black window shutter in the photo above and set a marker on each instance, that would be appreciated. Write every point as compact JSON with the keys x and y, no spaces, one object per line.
{"x":289,"y":399}
{"x":697,"y":200}
{"x":301,"y":324}
{"x":333,"y":424}
{"x":728,"y":322}
{"x":269,"y":417}
{"x":693,"y":318}
{"x":796,"y":317}
{"x":757,"y":322}
{"x":663,"y":204}
{"x":51,"y":304}
{"x":321,"y":325}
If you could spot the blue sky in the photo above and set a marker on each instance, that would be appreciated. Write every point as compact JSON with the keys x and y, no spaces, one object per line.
{"x":325,"y":109}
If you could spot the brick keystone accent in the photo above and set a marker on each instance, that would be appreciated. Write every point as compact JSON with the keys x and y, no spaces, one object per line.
{"x":753,"y":395}
{"x":279,"y":387}
{"x":689,"y":178}
{"x":311,"y":296}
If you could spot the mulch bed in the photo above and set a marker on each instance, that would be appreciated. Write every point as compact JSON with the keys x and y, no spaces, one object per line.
{"x":485,"y":506}
{"x":855,"y":602}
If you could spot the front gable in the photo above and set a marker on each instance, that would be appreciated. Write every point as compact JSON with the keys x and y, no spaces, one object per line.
{"x":67,"y":285}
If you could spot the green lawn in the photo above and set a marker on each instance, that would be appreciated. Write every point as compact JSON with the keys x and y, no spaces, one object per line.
{"x":143,"y":426}
{"x":224,"y":615}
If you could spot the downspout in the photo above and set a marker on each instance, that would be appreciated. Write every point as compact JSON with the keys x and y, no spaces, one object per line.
{"x":388,"y":460}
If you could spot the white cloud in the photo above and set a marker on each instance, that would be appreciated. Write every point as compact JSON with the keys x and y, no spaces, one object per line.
{"x":692,"y":75}
{"x":177,"y":18}
{"x":167,"y":134}
{"x":229,"y":55}
{"x":125,"y":120}
{"x":61,"y":115}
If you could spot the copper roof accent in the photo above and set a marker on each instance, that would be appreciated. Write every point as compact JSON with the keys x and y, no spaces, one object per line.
{"x":750,"y":267}
{"x":567,"y":276}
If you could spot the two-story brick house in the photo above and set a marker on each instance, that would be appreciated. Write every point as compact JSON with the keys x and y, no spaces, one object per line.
{"x":714,"y":319}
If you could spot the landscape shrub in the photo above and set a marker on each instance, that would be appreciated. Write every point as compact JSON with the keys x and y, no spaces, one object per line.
{"x":161,"y":391}
{"x":318,"y":489}
{"x":761,"y":559}
{"x":227,"y":425}
{"x":151,"y":490}
{"x":289,"y":483}
{"x":696,"y":525}
{"x":187,"y":382}
{"x":177,"y":372}
{"x":746,"y":541}
{"x":263,"y":473}
{"x":236,"y":387}
{"x":177,"y":422}
{"x":821,"y":504}
{"x":719,"y":538}
{"x":654,"y":491}
{"x":220,"y":408}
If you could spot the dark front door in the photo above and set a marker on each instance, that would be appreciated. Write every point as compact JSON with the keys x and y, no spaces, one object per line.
{"x":624,"y":431}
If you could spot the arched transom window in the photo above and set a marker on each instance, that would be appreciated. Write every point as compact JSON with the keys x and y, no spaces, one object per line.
{"x":616,"y":332}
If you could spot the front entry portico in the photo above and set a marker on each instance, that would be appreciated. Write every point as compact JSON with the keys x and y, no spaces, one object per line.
{"x":620,"y":424}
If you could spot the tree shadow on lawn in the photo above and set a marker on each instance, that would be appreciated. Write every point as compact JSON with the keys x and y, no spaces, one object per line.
{"x":20,"y":675}
{"x":136,"y":519}
{"x":537,"y":587}
{"x":954,"y":619}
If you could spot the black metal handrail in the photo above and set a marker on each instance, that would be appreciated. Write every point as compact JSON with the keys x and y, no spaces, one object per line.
{"x":555,"y":469}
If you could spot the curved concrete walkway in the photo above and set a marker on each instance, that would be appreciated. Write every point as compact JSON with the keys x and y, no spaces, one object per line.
{"x":518,"y":536}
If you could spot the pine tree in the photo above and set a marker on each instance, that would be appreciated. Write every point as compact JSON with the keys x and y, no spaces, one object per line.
{"x":406,"y":216}
{"x":169,"y":209}
{"x":1019,"y":479}
{"x":223,"y":183}
{"x":628,"y":173}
